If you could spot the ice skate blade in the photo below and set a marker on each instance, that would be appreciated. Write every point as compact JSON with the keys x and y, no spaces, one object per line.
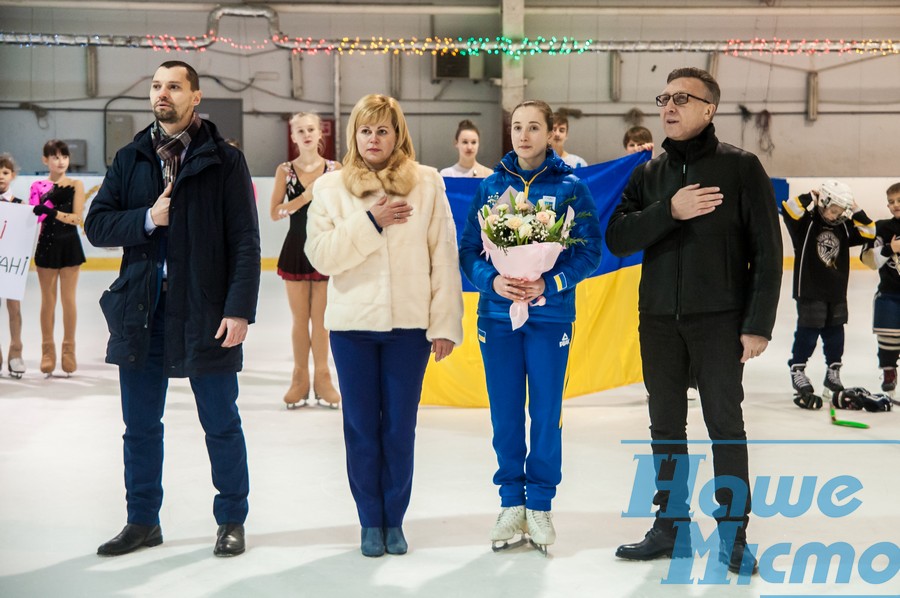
{"x":16,"y":375}
{"x":542,"y":548}
{"x":297,"y":405}
{"x":504,"y":545}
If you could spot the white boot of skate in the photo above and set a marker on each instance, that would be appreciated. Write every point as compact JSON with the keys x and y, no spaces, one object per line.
{"x":510,"y":521}
{"x":16,"y":367}
{"x":540,"y":528}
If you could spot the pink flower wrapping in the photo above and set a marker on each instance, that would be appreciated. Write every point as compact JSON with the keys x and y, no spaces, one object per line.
{"x":527,"y":262}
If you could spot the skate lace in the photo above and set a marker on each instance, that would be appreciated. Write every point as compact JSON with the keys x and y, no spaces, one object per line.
{"x":542,"y":520}
{"x":800,"y":378}
{"x":510,"y":518}
{"x":834,"y":375}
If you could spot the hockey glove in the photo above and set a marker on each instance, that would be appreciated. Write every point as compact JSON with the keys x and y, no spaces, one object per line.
{"x":808,"y":401}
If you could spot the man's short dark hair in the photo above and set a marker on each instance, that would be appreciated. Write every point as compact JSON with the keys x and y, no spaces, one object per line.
{"x":692,"y":72}
{"x":192,"y":76}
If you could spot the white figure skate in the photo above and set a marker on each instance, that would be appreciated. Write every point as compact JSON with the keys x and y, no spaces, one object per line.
{"x":510,"y":522}
{"x":540,"y":528}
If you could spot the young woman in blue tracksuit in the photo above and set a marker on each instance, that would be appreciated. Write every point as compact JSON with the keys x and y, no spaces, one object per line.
{"x":532,"y":359}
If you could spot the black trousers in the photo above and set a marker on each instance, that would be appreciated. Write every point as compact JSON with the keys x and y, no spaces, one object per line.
{"x":707,"y":346}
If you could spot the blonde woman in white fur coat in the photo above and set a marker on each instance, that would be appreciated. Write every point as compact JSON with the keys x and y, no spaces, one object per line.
{"x":382,"y":230}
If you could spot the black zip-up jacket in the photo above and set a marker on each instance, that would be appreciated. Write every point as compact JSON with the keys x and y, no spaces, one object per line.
{"x":729,"y":259}
{"x":212,"y":256}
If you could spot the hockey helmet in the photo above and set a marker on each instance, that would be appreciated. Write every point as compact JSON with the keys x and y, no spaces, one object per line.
{"x":835,"y":193}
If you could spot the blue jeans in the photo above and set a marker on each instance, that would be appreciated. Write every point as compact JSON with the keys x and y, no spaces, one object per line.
{"x":380,"y":374}
{"x":143,"y":404}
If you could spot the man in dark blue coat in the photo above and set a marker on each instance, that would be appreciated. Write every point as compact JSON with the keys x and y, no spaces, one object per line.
{"x":179,"y":201}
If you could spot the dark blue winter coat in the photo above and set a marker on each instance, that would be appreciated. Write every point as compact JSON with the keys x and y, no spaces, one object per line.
{"x":553,"y":178}
{"x":212,"y":256}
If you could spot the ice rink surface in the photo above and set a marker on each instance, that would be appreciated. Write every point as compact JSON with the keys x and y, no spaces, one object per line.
{"x":61,"y":490}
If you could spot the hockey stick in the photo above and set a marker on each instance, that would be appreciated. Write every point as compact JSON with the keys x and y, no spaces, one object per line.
{"x":841,"y":422}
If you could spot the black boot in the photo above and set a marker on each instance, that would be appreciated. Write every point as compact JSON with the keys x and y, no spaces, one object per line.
{"x":132,"y":537}
{"x":660,"y":541}
{"x":739,"y":559}
{"x":229,"y":540}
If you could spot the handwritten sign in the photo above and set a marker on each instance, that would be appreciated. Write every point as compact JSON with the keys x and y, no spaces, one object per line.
{"x":18,"y":230}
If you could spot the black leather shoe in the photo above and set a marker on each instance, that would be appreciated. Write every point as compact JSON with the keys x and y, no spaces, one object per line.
{"x":132,"y":537}
{"x":656,"y":543}
{"x":230,"y":540}
{"x":740,"y":560}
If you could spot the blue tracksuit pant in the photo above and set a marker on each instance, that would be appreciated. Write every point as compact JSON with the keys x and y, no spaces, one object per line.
{"x":534,"y":357}
{"x":380,"y":374}
{"x":143,"y":404}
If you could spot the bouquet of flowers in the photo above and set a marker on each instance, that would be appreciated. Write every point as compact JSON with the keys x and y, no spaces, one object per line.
{"x":523,"y":240}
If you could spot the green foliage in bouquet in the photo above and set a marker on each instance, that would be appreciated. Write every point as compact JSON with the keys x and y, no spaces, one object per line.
{"x":515,"y":221}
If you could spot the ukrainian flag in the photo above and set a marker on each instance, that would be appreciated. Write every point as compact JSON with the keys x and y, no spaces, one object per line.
{"x":604,"y":352}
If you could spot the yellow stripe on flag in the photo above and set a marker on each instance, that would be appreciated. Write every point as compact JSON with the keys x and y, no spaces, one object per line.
{"x":606,"y":355}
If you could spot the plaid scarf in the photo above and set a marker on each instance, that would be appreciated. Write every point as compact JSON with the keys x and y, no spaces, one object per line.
{"x":169,"y":148}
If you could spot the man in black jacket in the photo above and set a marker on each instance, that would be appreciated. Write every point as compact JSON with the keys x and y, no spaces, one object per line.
{"x":704,"y":214}
{"x":179,"y":201}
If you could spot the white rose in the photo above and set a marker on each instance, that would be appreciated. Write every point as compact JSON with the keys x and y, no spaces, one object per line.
{"x":513,"y":222}
{"x":525,"y":231}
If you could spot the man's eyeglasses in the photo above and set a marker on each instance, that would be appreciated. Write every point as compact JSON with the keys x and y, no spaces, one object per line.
{"x":681,"y":98}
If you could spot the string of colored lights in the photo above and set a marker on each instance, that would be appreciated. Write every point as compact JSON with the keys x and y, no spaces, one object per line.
{"x":516,"y":49}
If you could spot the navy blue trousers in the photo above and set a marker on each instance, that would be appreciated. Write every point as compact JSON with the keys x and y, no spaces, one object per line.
{"x":143,"y":404}
{"x":380,"y":375}
{"x":805,"y":339}
{"x":530,"y":361}
{"x":707,"y":346}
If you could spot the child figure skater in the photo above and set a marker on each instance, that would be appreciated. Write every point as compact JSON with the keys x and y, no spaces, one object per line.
{"x":58,"y":256}
{"x":15,"y":364}
{"x":306,"y":288}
